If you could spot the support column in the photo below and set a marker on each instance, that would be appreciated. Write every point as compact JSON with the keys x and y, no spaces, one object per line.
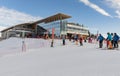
{"x":7,"y":34}
{"x":61,"y":25}
{"x":23,"y":34}
{"x":36,"y":28}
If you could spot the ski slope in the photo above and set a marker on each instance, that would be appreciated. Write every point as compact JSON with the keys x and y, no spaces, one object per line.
{"x":15,"y":45}
{"x":68,"y":60}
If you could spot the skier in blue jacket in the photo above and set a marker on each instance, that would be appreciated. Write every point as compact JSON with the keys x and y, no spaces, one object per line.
{"x":115,"y":40}
{"x":100,"y":39}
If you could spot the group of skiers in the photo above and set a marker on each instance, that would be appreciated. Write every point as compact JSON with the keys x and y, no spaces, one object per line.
{"x":76,"y":38}
{"x":111,"y":40}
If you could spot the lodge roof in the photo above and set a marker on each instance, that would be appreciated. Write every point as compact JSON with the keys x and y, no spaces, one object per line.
{"x":56,"y":17}
{"x":15,"y":26}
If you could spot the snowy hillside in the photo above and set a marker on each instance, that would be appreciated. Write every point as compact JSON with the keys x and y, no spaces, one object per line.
{"x":14,"y":45}
{"x":68,"y":60}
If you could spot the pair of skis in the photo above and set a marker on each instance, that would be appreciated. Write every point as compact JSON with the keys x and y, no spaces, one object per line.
{"x":110,"y":48}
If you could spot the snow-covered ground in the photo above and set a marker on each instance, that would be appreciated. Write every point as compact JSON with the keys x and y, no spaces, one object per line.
{"x":40,"y":59}
{"x":14,"y":45}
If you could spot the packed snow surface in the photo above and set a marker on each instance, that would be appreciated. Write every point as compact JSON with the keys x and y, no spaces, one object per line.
{"x":39,"y":59}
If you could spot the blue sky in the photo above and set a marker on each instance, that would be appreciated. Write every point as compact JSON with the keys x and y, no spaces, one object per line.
{"x":102,"y":15}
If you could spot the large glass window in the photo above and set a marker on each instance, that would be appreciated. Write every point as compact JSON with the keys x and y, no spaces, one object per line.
{"x":49,"y":26}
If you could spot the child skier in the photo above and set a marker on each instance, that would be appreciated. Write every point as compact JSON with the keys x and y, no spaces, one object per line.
{"x":109,"y":39}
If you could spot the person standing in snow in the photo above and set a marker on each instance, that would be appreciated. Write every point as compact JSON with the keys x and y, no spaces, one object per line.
{"x":100,"y":39}
{"x":63,"y":39}
{"x":112,"y":42}
{"x":109,"y":38}
{"x":81,"y":40}
{"x":115,"y":40}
